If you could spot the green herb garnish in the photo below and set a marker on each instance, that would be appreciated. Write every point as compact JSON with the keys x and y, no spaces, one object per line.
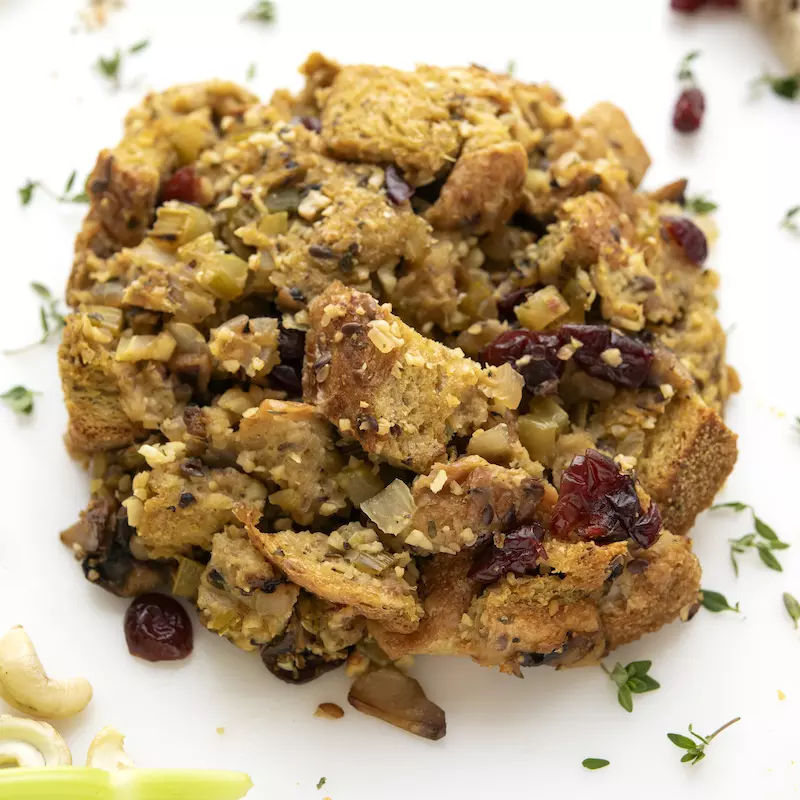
{"x":630,"y":680}
{"x":790,"y":222}
{"x":786,"y":86}
{"x":321,"y":782}
{"x":110,"y":67}
{"x":764,"y":540}
{"x":594,"y":763}
{"x":26,"y":192}
{"x":716,"y":602}
{"x":51,"y":318}
{"x":696,"y":750}
{"x":792,"y":606}
{"x":20,"y":399}
{"x":685,"y":68}
{"x":700,"y":205}
{"x":251,"y":71}
{"x":511,"y":67}
{"x":262,"y":11}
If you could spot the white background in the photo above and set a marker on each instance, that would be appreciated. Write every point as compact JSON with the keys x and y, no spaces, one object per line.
{"x":505,"y":736}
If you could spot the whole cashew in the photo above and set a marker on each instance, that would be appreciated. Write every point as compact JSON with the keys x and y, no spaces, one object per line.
{"x":24,"y":684}
{"x":28,"y":743}
{"x":106,"y":751}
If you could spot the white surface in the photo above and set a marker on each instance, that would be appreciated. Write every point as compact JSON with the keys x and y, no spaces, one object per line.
{"x":505,"y":736}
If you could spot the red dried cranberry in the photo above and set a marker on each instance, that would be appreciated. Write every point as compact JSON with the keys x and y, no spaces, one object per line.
{"x":184,"y":185}
{"x":599,"y":502}
{"x":397,"y":190}
{"x":507,"y":303}
{"x":521,"y":551}
{"x":689,"y":110}
{"x":157,"y":628}
{"x":686,"y":6}
{"x":688,"y":237}
{"x":595,"y":339}
{"x":532,"y":354}
{"x":312,"y":124}
{"x":724,"y":3}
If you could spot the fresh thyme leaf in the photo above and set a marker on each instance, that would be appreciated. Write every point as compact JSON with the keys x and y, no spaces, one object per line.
{"x":735,"y":506}
{"x":767,"y":556}
{"x":251,"y":71}
{"x":321,"y":782}
{"x":511,"y":68}
{"x":685,"y":69}
{"x":70,"y":182}
{"x":26,"y":191}
{"x":109,"y":67}
{"x":50,"y":317}
{"x":701,"y":205}
{"x":696,"y":750}
{"x":81,"y":197}
{"x":789,"y":222}
{"x":716,"y":602}
{"x":262,"y":11}
{"x":630,"y":680}
{"x":792,"y":606}
{"x":595,"y":763}
{"x":786,"y":86}
{"x":139,"y":46}
{"x":20,"y":399}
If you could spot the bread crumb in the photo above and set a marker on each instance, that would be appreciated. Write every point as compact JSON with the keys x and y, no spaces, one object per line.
{"x":329,"y":711}
{"x":781,"y":695}
{"x":220,"y":731}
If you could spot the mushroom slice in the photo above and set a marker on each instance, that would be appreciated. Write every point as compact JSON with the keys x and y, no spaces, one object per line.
{"x":394,"y":697}
{"x":28,"y":743}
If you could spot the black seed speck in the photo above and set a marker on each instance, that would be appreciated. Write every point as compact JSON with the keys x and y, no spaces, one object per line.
{"x":186,"y":499}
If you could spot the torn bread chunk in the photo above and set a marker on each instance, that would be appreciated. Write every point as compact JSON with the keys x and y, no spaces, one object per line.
{"x":397,"y":393}
{"x":181,"y":504}
{"x":464,"y":502}
{"x":362,"y":575}
{"x":292,"y":445}
{"x":242,"y":596}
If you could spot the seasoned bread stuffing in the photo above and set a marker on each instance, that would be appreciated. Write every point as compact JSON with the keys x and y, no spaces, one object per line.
{"x":403,"y":364}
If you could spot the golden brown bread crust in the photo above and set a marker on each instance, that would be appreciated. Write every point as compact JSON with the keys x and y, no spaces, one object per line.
{"x":688,"y":457}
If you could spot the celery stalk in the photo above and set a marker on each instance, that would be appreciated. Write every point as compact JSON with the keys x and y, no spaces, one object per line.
{"x":84,"y":783}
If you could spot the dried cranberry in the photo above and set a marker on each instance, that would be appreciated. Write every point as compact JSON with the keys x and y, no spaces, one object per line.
{"x":724,"y":3}
{"x":688,"y":237}
{"x":507,"y":303}
{"x":397,"y":190}
{"x":291,"y":344}
{"x":689,"y":110}
{"x":533,"y":354}
{"x":287,"y":378}
{"x":600,"y":502}
{"x":686,"y":6}
{"x":522,"y":548}
{"x":184,"y":185}
{"x":634,"y":367}
{"x":157,"y":628}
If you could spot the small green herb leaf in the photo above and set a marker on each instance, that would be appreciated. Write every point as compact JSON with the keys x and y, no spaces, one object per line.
{"x":109,"y":67}
{"x":789,"y":222}
{"x":50,"y":317}
{"x":511,"y":68}
{"x":685,"y":68}
{"x":764,"y":530}
{"x":764,"y":540}
{"x":262,"y":11}
{"x":639,"y":668}
{"x":26,"y":192}
{"x":251,"y":71}
{"x":786,"y":86}
{"x":682,"y":741}
{"x":768,"y":557}
{"x":625,"y":697}
{"x":716,"y":602}
{"x":139,"y":46}
{"x":792,"y":606}
{"x":631,"y":679}
{"x":595,"y":763}
{"x":700,"y":205}
{"x":20,"y":399}
{"x":70,"y":182}
{"x":321,"y":782}
{"x":696,"y":751}
{"x":735,"y":506}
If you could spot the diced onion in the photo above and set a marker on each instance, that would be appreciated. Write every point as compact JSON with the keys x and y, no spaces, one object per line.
{"x":391,"y":510}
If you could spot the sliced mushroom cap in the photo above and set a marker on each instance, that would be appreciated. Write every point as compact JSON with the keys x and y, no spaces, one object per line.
{"x":396,"y":698}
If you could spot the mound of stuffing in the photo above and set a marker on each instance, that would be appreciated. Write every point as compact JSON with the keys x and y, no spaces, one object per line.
{"x":404,"y":364}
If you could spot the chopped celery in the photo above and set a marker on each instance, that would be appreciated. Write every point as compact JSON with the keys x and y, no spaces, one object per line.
{"x":85,"y":783}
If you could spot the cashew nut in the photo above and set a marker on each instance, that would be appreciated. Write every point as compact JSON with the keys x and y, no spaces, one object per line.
{"x":28,"y":743}
{"x":106,"y":751}
{"x":24,"y":684}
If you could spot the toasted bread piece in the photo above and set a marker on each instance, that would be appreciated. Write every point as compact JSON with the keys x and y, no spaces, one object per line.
{"x":399,"y":394}
{"x":687,"y":458}
{"x":292,"y":445}
{"x":471,"y":500}
{"x":309,"y":561}
{"x":652,"y":595}
{"x":185,"y":504}
{"x":242,"y":596}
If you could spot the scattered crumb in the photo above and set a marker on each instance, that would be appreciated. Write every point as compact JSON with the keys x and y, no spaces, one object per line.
{"x":95,"y":15}
{"x":781,"y":695}
{"x":329,"y":711}
{"x":220,"y":731}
